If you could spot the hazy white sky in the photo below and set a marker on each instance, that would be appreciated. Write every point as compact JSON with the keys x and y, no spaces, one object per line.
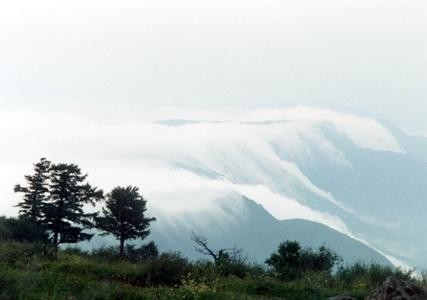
{"x":368,"y":56}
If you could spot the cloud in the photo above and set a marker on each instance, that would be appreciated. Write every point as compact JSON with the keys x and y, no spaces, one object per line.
{"x":283,"y":208}
{"x":189,"y":167}
{"x":239,"y":146}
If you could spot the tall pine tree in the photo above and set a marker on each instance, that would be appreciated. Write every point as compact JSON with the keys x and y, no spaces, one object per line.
{"x":124,"y":215}
{"x":64,"y":214}
{"x":35,"y":193}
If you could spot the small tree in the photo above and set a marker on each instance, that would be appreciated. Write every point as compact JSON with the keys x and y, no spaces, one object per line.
{"x":21,"y":229}
{"x":124,"y":216}
{"x":64,"y":216}
{"x":35,"y":193}
{"x":229,"y":261}
{"x":292,"y":261}
{"x":226,"y":254}
{"x":143,"y":253}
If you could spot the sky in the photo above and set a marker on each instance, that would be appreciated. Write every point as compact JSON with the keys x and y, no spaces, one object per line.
{"x":363,"y":56}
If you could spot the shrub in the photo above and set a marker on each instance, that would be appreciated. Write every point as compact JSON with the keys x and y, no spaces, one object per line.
{"x":21,"y":230}
{"x":370,"y":275}
{"x":14,"y":253}
{"x":168,"y":269}
{"x":75,"y":251}
{"x":291,"y":261}
{"x":106,"y":253}
{"x":229,"y":267}
{"x":145,"y":252}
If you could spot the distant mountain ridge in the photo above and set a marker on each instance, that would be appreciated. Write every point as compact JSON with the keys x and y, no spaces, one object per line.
{"x":258,"y":234}
{"x":248,"y":226}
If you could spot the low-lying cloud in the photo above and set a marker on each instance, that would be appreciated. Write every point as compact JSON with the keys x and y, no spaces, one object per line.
{"x":223,"y":152}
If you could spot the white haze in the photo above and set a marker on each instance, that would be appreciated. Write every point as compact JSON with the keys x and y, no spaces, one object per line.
{"x":368,"y":56}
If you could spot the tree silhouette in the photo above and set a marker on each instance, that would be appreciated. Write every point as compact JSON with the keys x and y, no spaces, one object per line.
{"x":234,"y":254}
{"x":21,"y":229}
{"x":64,"y":216}
{"x":124,"y":216}
{"x":292,"y":261}
{"x":35,"y":193}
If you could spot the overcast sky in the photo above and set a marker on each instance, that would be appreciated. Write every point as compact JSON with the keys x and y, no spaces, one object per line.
{"x":368,"y":56}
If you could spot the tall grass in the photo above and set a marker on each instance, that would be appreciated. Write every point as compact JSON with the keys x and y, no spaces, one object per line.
{"x":27,"y":273}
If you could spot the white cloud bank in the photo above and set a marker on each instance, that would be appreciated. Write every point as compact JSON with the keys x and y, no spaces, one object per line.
{"x":218,"y":151}
{"x":231,"y":146}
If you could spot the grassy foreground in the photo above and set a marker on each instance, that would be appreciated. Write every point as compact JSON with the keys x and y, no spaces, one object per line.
{"x":27,"y":274}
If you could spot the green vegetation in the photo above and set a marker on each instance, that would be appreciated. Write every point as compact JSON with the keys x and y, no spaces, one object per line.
{"x":27,"y":273}
{"x":291,"y":261}
{"x":32,"y":266}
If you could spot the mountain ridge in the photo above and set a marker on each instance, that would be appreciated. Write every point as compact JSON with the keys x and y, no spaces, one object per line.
{"x":250,"y":227}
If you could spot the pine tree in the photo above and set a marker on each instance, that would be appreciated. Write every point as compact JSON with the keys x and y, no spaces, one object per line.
{"x":124,"y":215}
{"x":35,"y":193}
{"x":64,"y":215}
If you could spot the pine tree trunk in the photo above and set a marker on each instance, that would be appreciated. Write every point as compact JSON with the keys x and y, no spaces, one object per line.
{"x":122,"y":247}
{"x":55,"y":243}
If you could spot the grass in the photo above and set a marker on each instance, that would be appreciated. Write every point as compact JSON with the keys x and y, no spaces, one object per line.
{"x":26,"y":274}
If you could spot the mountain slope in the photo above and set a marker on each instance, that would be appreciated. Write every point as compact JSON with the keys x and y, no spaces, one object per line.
{"x":361,"y":177}
{"x":253,"y":229}
{"x":240,"y":222}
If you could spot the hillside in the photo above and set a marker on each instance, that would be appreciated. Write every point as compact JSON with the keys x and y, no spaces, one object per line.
{"x":247,"y":225}
{"x":359,"y":176}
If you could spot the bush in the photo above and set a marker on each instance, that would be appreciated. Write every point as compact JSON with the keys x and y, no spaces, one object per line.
{"x":145,"y":252}
{"x":239,"y":268}
{"x":106,"y":253}
{"x":75,"y":251}
{"x":291,"y":261}
{"x":168,"y":269}
{"x":21,"y":230}
{"x":14,"y":253}
{"x":370,"y":275}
